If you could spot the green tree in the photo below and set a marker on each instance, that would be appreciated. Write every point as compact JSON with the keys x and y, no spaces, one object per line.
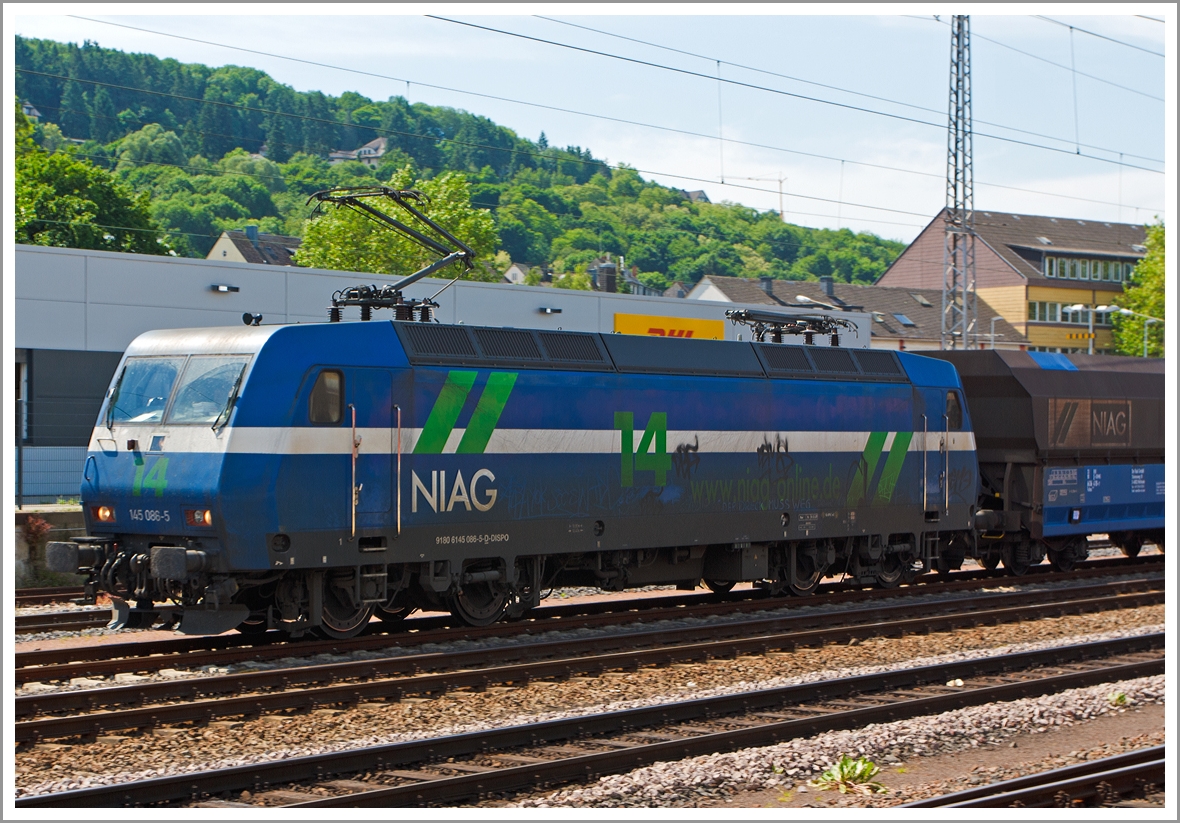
{"x":104,"y":122}
{"x":62,"y":200}
{"x":1145,"y":296}
{"x":344,"y":240}
{"x":150,"y":145}
{"x":75,"y":112}
{"x":23,"y":131}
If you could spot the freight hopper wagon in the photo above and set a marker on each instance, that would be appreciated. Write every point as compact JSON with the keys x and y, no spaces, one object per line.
{"x":308,"y":476}
{"x":1069,"y":445}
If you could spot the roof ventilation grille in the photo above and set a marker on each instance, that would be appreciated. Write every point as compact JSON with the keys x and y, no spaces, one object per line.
{"x":507,"y":343}
{"x":578,"y":348}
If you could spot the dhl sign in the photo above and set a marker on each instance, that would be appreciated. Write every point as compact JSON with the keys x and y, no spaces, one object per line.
{"x":660,"y":326}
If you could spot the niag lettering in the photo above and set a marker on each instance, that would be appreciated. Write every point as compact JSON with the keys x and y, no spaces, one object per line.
{"x":461,"y":493}
{"x":1110,"y":423}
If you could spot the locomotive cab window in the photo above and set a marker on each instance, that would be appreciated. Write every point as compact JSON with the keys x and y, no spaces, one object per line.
{"x":327,"y":398}
{"x":208,"y":388}
{"x":954,"y":412}
{"x":142,"y":390}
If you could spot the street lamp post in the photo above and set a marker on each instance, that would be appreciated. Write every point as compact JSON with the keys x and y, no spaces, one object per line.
{"x":1147,"y":321}
{"x":1092,"y":311}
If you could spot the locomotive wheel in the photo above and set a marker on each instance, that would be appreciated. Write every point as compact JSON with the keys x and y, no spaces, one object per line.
{"x":720,"y":586}
{"x":341,"y":618}
{"x":396,"y":609}
{"x":892,"y":571}
{"x":254,"y":624}
{"x":807,"y":573}
{"x":479,"y":604}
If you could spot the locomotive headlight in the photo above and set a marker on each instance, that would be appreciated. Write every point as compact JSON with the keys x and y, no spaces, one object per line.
{"x":199,"y":517}
{"x":103,"y":514}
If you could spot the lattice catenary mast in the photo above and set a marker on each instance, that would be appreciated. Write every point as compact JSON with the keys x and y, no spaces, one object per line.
{"x":958,"y":263}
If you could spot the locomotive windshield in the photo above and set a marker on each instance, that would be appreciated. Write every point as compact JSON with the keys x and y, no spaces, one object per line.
{"x":204,"y":393}
{"x":206,"y":389}
{"x":143,"y":390}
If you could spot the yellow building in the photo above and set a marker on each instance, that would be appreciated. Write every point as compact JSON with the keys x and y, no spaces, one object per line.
{"x":1032,"y":270}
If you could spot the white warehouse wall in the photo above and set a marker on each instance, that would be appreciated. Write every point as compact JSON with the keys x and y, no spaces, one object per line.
{"x":84,"y":300}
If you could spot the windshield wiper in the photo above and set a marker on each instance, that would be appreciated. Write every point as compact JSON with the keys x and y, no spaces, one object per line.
{"x":112,"y":399}
{"x":229,"y":402}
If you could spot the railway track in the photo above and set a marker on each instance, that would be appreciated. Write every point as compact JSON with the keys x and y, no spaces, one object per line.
{"x":1101,"y":781}
{"x":47,"y":594}
{"x":192,"y":652}
{"x":145,"y":705}
{"x":453,"y":769}
{"x":76,"y":620}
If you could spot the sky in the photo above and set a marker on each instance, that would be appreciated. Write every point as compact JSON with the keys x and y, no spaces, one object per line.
{"x":847,"y":113}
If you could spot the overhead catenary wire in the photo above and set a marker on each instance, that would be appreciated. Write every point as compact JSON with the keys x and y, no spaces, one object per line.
{"x":610,"y":118}
{"x":756,"y":87}
{"x":1099,"y":36}
{"x":1050,"y":62}
{"x":840,"y":89}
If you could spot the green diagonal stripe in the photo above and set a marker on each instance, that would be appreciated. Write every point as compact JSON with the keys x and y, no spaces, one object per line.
{"x":487,"y":413}
{"x":858,"y":490}
{"x":893,"y":463}
{"x":445,"y":412}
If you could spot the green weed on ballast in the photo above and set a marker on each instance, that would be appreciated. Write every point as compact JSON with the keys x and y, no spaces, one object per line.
{"x":1117,"y":699}
{"x":850,"y":775}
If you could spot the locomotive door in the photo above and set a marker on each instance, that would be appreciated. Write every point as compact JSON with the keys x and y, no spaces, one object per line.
{"x":369,"y":392}
{"x":930,"y":418}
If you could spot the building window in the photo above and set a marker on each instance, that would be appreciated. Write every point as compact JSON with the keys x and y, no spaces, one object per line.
{"x":1106,"y":271}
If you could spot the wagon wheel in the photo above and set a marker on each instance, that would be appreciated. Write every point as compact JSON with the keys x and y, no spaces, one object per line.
{"x":342,"y":618}
{"x":989,"y":561}
{"x":479,"y":603}
{"x":1016,"y":560}
{"x":720,"y":586}
{"x":1129,"y":545}
{"x":1066,"y":558}
{"x":892,"y":571}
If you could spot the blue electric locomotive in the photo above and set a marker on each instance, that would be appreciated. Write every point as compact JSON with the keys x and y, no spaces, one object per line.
{"x":305,"y":476}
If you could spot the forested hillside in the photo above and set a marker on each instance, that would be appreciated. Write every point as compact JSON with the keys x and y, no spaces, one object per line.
{"x":191,"y":138}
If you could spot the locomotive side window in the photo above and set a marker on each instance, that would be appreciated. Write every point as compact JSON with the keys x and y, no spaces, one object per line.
{"x":209,"y":385}
{"x":143,"y":390}
{"x":327,"y":398}
{"x":954,"y":412}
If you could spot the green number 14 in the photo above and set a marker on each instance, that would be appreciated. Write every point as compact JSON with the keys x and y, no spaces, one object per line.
{"x":155,"y":478}
{"x":645,"y":458}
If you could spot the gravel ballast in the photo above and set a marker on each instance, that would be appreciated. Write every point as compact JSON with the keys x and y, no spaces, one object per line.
{"x":56,"y":768}
{"x":789,"y":766}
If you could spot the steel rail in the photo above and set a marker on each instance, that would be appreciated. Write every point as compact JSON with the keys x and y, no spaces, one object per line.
{"x":890,"y":685}
{"x":875,"y":621}
{"x":77,"y":619}
{"x":47,"y":594}
{"x":1102,"y":779}
{"x":58,"y":664}
{"x":380,"y":680}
